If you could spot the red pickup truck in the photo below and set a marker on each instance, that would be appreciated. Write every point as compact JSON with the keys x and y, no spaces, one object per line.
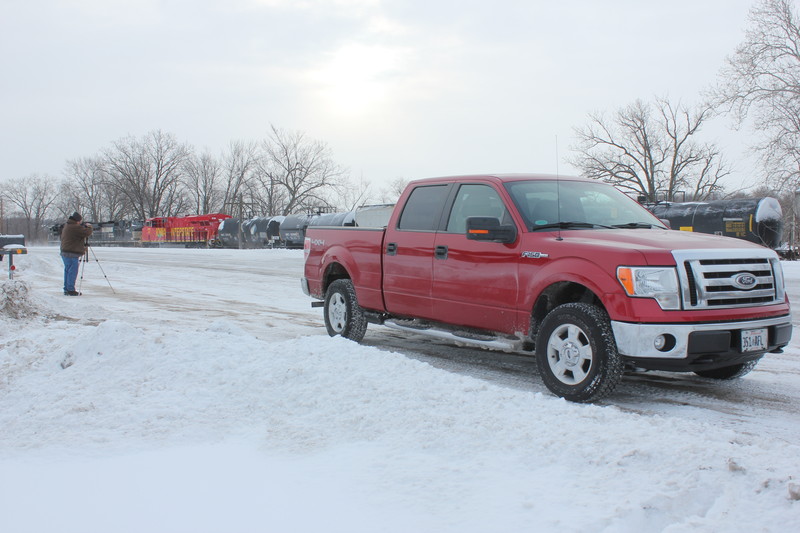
{"x":570,"y":270}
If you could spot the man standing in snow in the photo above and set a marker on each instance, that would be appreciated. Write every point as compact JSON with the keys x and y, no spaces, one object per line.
{"x":73,"y":247}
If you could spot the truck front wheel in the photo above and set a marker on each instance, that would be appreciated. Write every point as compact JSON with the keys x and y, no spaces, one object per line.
{"x":343,"y":315}
{"x":576,"y":353}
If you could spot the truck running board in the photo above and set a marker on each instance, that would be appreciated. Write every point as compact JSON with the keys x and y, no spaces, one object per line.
{"x":504,"y":344}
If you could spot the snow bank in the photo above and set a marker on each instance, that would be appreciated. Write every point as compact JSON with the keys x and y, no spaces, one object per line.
{"x":16,"y":300}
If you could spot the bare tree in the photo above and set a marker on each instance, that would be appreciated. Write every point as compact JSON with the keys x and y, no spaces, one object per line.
{"x":651,"y":149}
{"x":149,"y":173}
{"x":33,"y":196}
{"x":239,"y":165}
{"x":349,"y":194}
{"x":270,"y":196}
{"x":302,"y":167}
{"x":392,"y":193}
{"x":202,"y":180}
{"x":86,"y":188}
{"x":761,"y":80}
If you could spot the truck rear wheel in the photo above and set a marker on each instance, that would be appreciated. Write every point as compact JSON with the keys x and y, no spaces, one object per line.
{"x":576,"y":353}
{"x":343,"y":315}
{"x":728,"y":372}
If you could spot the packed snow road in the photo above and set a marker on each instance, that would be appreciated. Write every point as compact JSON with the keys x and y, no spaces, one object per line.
{"x":197,"y":390}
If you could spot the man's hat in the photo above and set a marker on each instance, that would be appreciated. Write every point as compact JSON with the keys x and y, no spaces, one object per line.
{"x":76,"y":216}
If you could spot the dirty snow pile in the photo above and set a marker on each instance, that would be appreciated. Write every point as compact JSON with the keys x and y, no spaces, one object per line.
{"x":113,"y":417}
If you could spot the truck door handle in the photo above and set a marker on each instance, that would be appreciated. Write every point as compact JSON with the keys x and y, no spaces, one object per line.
{"x":391,"y":248}
{"x":440,"y":252}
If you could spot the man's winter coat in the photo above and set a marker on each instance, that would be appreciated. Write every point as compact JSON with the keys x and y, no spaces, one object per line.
{"x":73,"y":237}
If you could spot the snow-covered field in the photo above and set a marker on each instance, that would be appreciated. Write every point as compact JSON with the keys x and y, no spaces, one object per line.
{"x":202,"y":394}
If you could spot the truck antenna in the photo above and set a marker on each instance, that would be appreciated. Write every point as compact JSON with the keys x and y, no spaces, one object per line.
{"x":556,"y":156}
{"x":558,"y":195}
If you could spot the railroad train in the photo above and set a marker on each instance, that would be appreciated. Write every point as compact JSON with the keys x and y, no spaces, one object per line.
{"x":218,"y":230}
{"x":758,"y":220}
{"x":187,"y":231}
{"x":290,"y":231}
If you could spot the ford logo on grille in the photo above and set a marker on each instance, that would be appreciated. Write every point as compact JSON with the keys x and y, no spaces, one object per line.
{"x":744,"y":281}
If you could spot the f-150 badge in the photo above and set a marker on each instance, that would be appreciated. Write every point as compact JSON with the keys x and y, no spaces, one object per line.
{"x":534,"y":255}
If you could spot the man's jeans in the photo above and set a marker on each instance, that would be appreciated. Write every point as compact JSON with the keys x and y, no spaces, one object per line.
{"x":71,"y":266}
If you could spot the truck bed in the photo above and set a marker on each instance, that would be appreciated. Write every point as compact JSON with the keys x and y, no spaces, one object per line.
{"x":359,"y":250}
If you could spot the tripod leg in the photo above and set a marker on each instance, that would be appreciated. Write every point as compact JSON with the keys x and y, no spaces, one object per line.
{"x":85,"y":258}
{"x":101,"y":268}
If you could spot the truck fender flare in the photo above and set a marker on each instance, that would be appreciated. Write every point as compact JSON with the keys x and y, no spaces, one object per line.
{"x":573,"y":270}
{"x":556,"y":279}
{"x":338,"y":263}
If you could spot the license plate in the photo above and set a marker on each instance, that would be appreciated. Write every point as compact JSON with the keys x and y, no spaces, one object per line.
{"x":754,"y":340}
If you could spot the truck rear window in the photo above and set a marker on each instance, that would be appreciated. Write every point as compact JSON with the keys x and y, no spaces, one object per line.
{"x":423,"y":210}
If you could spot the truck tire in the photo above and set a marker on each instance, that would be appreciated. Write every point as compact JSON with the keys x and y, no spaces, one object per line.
{"x":728,"y":372}
{"x":343,"y":315}
{"x":576,"y":353}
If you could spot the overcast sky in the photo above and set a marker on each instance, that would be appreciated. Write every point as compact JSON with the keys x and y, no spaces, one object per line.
{"x":397,"y":88}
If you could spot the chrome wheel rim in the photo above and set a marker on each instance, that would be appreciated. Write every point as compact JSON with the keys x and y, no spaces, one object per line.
{"x":569,"y":354}
{"x":337,"y":312}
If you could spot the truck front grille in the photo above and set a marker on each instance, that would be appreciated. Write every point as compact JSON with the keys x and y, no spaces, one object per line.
{"x":713,"y":279}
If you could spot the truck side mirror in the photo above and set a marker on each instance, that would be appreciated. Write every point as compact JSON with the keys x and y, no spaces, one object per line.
{"x":490,"y":229}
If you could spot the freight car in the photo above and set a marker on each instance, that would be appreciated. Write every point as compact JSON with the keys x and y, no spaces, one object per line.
{"x":293,"y":230}
{"x":374,"y":216}
{"x":116,"y":233}
{"x":758,"y":220}
{"x":189,"y":231}
{"x":334,"y":219}
{"x":228,"y":233}
{"x":263,"y":232}
{"x":258,"y":232}
{"x":108,"y":233}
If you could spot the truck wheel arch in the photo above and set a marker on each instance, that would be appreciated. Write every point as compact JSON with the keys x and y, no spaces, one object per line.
{"x":556,"y":294}
{"x":333,"y":272}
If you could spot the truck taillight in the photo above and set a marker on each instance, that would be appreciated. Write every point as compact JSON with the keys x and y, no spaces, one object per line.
{"x":306,"y":247}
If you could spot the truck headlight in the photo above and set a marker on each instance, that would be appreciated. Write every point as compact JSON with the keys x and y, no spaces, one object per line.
{"x":659,"y":283}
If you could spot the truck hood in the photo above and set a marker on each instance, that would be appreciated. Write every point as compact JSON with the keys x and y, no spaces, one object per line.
{"x":654,"y":245}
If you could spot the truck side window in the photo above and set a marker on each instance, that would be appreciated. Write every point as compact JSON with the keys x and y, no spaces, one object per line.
{"x":475,"y":200}
{"x":423,"y":208}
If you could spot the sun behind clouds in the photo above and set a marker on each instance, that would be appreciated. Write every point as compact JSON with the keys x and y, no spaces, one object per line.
{"x":357,"y":79}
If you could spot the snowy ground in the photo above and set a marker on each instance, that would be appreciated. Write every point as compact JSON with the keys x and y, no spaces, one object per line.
{"x":203,"y":395}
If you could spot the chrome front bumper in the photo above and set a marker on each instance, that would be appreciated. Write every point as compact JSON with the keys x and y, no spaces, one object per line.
{"x":638,"y":340}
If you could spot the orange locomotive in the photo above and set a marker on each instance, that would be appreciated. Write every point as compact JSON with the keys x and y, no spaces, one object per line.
{"x":197,"y":230}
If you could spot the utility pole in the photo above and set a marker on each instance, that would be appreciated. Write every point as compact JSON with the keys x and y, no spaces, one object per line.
{"x":795,"y":212}
{"x":241,"y":221}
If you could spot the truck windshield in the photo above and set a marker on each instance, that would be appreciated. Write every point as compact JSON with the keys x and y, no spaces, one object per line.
{"x":567,"y":204}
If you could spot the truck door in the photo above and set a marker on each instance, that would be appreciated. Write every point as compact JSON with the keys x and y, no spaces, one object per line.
{"x":408,"y":252}
{"x":475,"y":282}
